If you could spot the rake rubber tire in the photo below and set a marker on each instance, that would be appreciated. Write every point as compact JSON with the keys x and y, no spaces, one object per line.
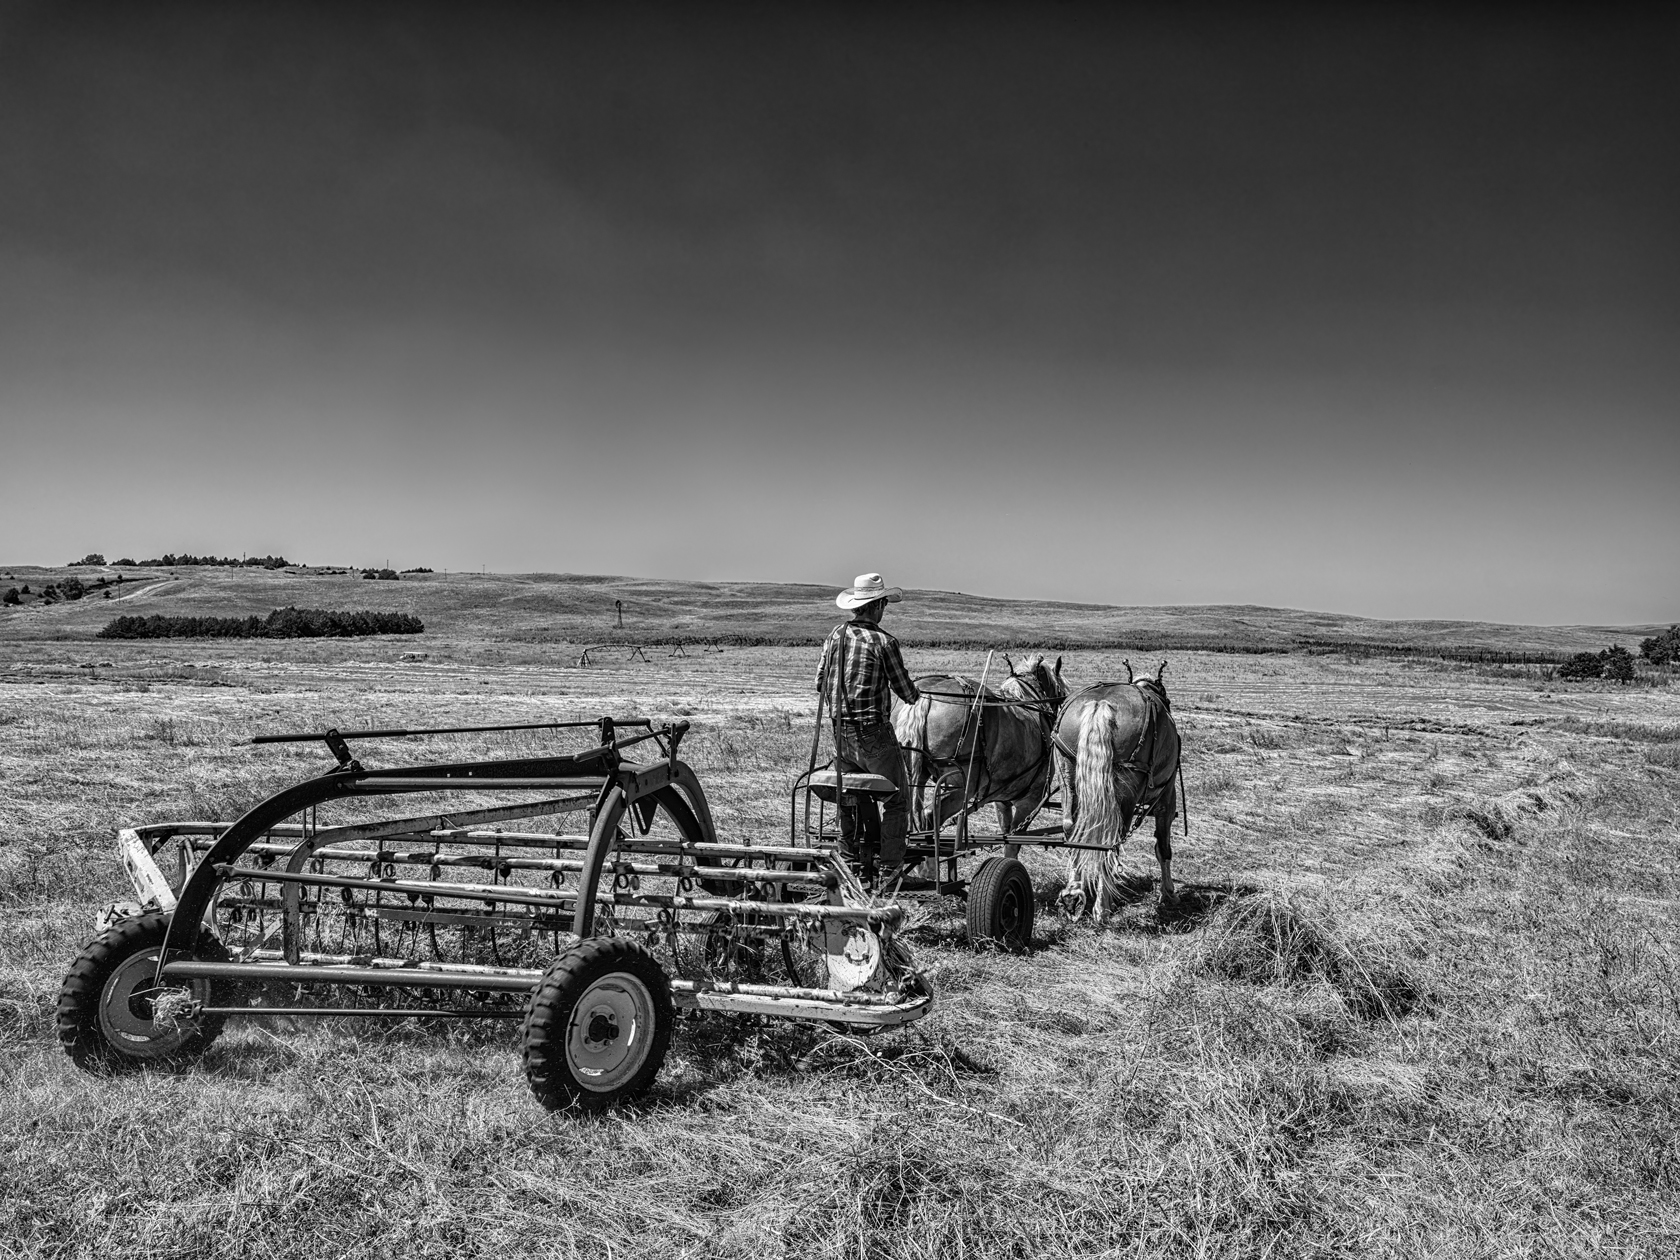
{"x":1000,"y":905}
{"x":571,"y":999}
{"x":100,"y":965}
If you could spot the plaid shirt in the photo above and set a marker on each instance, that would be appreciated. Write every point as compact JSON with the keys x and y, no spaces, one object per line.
{"x":870,"y":664}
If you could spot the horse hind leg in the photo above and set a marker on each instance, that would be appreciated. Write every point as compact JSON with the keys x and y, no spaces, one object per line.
{"x":1072,"y":898}
{"x":1163,"y":855}
{"x":1006,"y":824}
{"x":1070,"y":799}
{"x":1108,"y":884}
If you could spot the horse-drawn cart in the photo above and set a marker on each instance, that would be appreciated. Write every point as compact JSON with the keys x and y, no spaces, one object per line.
{"x":967,"y":746}
{"x":593,"y":937}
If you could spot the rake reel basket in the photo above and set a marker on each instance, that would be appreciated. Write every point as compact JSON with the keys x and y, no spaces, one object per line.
{"x":593,"y":935}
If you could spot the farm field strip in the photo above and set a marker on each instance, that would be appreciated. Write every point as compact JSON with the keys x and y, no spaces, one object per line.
{"x":1163,"y":1083}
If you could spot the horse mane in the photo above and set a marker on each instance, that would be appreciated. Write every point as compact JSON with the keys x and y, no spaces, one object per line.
{"x":1037,"y":668}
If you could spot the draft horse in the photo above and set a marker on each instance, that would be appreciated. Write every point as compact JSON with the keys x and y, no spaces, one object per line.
{"x":1117,"y":757}
{"x":960,"y":754}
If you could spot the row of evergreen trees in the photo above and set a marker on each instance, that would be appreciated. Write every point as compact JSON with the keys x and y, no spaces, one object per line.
{"x":282,"y":623}
{"x":170,"y":560}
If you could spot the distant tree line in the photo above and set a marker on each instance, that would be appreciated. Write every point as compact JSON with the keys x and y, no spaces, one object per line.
{"x":282,"y":623}
{"x":1468,"y":655}
{"x":170,"y":560}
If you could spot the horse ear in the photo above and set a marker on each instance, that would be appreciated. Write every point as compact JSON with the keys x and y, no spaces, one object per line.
{"x":1058,"y":670}
{"x":1161,"y":671}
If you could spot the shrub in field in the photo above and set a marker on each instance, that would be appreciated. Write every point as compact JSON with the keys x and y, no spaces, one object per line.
{"x":383,"y":575}
{"x":92,"y":557}
{"x":1618,"y":663}
{"x":282,"y":623}
{"x":1662,"y":649}
{"x":11,"y":596}
{"x":72,"y":588}
{"x":1614,"y":662}
{"x":1582,"y":665}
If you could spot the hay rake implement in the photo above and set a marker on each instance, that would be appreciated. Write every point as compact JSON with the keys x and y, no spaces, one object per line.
{"x":593,"y":937}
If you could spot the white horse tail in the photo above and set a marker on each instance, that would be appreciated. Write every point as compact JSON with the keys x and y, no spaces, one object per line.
{"x":910,"y":727}
{"x":1101,"y":822}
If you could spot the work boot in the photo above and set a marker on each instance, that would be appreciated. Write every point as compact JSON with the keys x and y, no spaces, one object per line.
{"x":892,"y":874}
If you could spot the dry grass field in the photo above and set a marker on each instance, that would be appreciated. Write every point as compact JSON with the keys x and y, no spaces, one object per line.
{"x":1424,"y":999}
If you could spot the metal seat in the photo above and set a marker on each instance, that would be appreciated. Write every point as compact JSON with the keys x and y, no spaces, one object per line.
{"x":877,"y":787}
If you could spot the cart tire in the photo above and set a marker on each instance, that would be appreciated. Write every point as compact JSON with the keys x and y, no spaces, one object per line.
{"x":105,"y":1017}
{"x":1000,"y":904}
{"x":597,"y":1027}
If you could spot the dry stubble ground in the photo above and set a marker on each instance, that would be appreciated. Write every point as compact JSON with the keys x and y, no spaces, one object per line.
{"x":1426,"y":999}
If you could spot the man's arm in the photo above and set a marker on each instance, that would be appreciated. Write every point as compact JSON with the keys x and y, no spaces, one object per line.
{"x":822,"y":666}
{"x":898,"y":678}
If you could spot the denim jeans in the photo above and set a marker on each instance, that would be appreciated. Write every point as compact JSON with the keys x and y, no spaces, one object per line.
{"x":874,"y":748}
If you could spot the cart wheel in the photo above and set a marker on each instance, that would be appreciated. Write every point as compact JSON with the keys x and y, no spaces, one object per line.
{"x":108,"y":1014}
{"x":1000,"y":904}
{"x":598,"y":1025}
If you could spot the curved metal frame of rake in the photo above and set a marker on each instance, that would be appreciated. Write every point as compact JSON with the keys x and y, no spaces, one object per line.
{"x":622,"y":784}
{"x":720,"y":889}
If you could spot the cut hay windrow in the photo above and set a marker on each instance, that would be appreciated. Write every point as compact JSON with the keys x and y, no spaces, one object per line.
{"x":1272,"y":938}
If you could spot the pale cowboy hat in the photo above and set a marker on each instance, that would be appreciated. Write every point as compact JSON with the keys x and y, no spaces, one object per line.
{"x":868,"y":588}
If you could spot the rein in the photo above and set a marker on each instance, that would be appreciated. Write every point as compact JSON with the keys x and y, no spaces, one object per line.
{"x":1042,"y":705}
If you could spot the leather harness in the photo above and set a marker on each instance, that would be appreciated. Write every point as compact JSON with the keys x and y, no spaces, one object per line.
{"x":966,"y":745}
{"x":1142,"y":757}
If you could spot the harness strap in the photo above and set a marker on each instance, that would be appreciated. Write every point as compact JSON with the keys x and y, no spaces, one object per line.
{"x":1139,"y":762}
{"x":989,"y":789}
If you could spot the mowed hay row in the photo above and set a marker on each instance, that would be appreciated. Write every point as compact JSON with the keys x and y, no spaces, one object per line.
{"x":1274,"y":938}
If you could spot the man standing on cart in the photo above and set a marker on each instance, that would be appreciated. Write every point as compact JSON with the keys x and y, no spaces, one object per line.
{"x":860,"y":663}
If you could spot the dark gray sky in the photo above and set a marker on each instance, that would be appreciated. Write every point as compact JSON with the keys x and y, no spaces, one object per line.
{"x":1346,"y":308}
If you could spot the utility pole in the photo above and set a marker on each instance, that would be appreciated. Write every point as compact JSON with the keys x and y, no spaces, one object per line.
{"x":618,"y":605}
